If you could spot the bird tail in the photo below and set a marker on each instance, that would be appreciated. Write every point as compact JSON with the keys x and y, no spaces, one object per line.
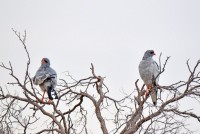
{"x":52,"y":93}
{"x":154,"y":95}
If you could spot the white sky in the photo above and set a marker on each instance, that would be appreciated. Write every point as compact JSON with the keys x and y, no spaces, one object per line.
{"x":111,"y":34}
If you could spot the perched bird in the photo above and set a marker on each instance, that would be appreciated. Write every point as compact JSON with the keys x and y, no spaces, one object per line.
{"x":149,"y":71}
{"x":46,"y":78}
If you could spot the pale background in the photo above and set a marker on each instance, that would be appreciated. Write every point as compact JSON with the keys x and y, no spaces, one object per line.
{"x":111,"y":34}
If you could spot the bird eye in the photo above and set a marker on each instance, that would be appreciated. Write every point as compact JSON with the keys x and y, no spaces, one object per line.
{"x":152,"y":52}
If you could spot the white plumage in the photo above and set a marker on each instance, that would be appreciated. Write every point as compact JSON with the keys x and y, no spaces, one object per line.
{"x":149,"y":71}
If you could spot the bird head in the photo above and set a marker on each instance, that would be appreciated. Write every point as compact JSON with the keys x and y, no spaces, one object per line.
{"x":45,"y":61}
{"x":148,"y":54}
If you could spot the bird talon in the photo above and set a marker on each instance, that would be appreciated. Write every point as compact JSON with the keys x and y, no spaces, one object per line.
{"x":49,"y":101}
{"x":147,"y":94}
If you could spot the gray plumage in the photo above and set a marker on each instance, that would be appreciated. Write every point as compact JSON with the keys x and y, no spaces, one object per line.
{"x":46,"y":77}
{"x":149,"y":70}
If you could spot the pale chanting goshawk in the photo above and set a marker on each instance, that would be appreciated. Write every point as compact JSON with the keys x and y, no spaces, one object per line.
{"x":46,"y":78}
{"x":149,"y":70}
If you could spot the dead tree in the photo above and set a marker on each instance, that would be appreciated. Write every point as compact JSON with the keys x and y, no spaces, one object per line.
{"x":23,"y":112}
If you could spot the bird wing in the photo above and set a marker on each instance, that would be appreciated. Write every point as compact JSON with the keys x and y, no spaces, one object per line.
{"x":39,"y":78}
{"x":155,"y":72}
{"x":43,"y":73}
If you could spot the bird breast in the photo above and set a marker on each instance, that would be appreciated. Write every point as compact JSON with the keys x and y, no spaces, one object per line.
{"x":146,"y":70}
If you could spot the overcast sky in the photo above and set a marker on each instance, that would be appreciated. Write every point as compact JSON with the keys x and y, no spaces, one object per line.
{"x":111,"y":34}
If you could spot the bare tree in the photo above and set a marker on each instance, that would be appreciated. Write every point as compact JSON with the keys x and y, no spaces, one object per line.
{"x":22,"y":110}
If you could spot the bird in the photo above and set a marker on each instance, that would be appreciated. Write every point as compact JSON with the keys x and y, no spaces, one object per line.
{"x":149,"y":71}
{"x":46,"y":78}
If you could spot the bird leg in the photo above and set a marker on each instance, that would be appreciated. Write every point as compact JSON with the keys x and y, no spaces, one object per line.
{"x":43,"y":97}
{"x":148,"y":90}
